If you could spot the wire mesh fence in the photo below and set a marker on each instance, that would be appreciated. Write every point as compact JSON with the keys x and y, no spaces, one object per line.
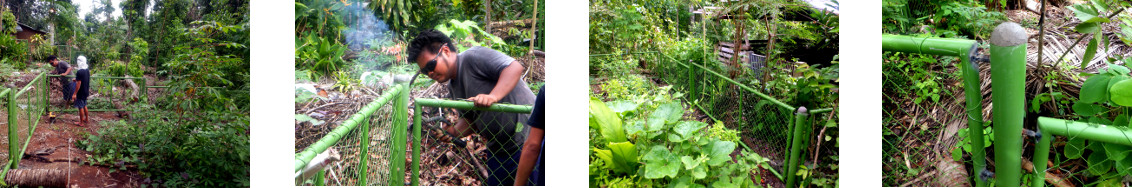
{"x":491,"y":151}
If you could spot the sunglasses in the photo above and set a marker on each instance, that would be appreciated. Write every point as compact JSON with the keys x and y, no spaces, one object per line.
{"x":431,"y":64}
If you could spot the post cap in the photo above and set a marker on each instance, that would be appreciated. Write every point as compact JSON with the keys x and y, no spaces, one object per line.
{"x":1008,"y":34}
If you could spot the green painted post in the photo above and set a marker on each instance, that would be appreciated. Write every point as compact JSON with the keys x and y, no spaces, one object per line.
{"x":1008,"y":72}
{"x":795,"y":148}
{"x":965,"y":50}
{"x":363,"y":168}
{"x":416,"y":144}
{"x":319,"y":180}
{"x":1089,"y":131}
{"x":468,"y":105}
{"x":400,"y":120}
{"x":1041,"y":155}
{"x":13,"y":134}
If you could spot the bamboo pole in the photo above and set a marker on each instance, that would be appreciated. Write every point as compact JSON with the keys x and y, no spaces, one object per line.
{"x":400,"y":120}
{"x":1041,"y":155}
{"x":795,"y":148}
{"x":468,"y":105}
{"x":417,"y":144}
{"x":364,"y":158}
{"x":1089,"y":131}
{"x":1008,"y":57}
{"x":13,"y":134}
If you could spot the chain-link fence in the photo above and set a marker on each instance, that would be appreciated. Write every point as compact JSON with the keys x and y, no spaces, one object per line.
{"x":1103,"y":147}
{"x":499,"y":132}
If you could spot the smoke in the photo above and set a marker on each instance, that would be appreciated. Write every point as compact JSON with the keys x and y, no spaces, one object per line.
{"x":364,"y":28}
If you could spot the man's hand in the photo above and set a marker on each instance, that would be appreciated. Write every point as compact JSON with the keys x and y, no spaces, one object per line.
{"x":484,"y":100}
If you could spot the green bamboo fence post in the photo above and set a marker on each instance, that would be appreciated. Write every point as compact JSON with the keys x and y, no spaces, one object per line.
{"x":1090,"y":131}
{"x":795,"y":149}
{"x":1008,"y":72}
{"x":400,"y":120}
{"x":363,"y":168}
{"x":1041,"y":155}
{"x":965,"y":50}
{"x":13,"y":134}
{"x":416,"y":144}
{"x":319,"y":180}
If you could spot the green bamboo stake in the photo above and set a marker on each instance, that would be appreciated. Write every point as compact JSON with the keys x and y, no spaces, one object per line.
{"x":1008,"y":72}
{"x":1088,"y":131}
{"x":795,"y":149}
{"x":363,"y":169}
{"x":416,"y":144}
{"x":400,"y":120}
{"x":13,"y":134}
{"x":468,"y":105}
{"x":1041,"y":155}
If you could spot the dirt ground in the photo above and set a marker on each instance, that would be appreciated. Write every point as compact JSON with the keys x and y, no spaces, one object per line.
{"x":53,"y":147}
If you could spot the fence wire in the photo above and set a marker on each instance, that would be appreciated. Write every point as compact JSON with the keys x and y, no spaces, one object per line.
{"x":27,"y":107}
{"x":488,"y":156}
{"x":349,"y":168}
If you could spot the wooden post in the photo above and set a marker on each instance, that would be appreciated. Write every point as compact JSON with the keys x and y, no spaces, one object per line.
{"x":534,"y":33}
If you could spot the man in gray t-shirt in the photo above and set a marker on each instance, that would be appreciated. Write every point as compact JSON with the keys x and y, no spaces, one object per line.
{"x":64,"y":69}
{"x":485,"y":77}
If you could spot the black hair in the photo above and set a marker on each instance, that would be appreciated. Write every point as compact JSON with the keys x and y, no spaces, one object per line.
{"x":430,"y":40}
{"x":51,"y":58}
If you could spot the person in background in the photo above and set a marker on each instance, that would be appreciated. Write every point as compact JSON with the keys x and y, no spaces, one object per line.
{"x":531,"y":171}
{"x":485,"y":77}
{"x":63,"y":69}
{"x":82,"y":90}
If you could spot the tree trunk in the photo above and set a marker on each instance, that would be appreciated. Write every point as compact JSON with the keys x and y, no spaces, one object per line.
{"x":37,"y":177}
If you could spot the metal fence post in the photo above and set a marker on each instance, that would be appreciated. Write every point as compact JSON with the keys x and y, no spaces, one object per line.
{"x":1008,"y":72}
{"x":796,"y":147}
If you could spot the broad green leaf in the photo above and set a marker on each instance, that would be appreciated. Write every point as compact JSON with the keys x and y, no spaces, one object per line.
{"x":661,"y":163}
{"x":624,"y":156}
{"x":1122,"y":93}
{"x":1074,"y":148}
{"x":606,"y":156}
{"x":1087,"y":14}
{"x":608,"y":121}
{"x":623,"y":107}
{"x":720,"y":152}
{"x":685,"y":130}
{"x":1095,"y":89}
{"x":1118,"y":69}
{"x":690,"y":162}
{"x":724,"y":181}
{"x":1099,"y":163}
{"x":1090,"y":50}
{"x":1087,"y":109}
{"x":664,"y":114}
{"x":1116,"y":152}
{"x":700,"y":172}
{"x":1087,"y":27}
{"x":1099,"y":5}
{"x":635,"y":128}
{"x":1124,"y":166}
